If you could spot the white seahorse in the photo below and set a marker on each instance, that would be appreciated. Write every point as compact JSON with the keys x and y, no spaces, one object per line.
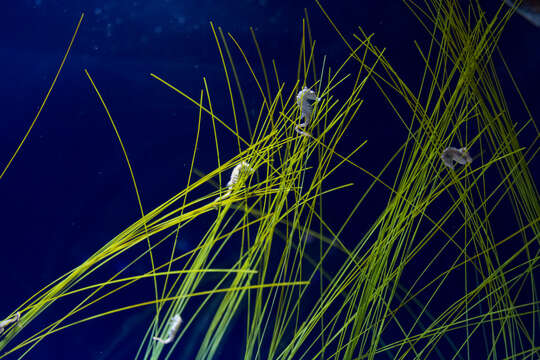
{"x":451,"y":154}
{"x":175,"y":322}
{"x":305,"y":100}
{"x":239,"y":172}
{"x":8,"y":322}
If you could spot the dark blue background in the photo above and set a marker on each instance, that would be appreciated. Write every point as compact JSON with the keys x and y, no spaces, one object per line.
{"x":69,"y":190}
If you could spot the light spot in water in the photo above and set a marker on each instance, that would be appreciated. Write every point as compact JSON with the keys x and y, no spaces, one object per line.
{"x":158,"y":29}
{"x":181,"y":19}
{"x":97,"y":11}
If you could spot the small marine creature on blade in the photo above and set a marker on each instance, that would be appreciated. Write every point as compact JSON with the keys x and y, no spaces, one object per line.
{"x":529,"y":9}
{"x":239,"y":173}
{"x":243,"y":168}
{"x":8,"y":322}
{"x":451,"y":155}
{"x":305,"y":100}
{"x":175,"y":323}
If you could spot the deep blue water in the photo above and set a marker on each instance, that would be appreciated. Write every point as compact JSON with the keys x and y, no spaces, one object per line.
{"x":69,"y":191}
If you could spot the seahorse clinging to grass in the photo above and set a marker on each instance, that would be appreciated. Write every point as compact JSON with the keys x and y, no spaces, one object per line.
{"x":451,"y":154}
{"x":239,"y":173}
{"x":175,"y":323}
{"x":10,"y":321}
{"x":305,"y":100}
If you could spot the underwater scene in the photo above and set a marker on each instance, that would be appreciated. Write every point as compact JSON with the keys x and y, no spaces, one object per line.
{"x":308,"y":179}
